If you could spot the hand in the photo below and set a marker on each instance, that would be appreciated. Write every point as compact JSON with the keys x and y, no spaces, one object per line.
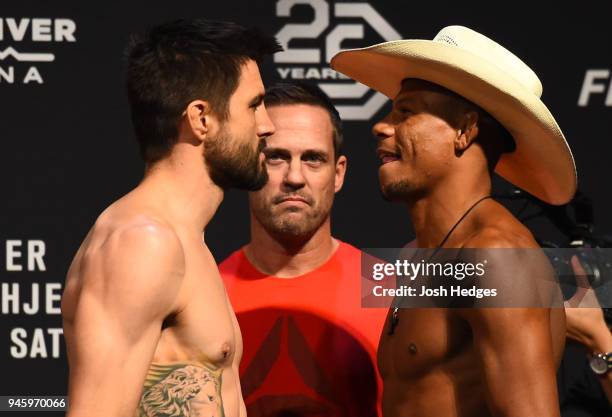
{"x":584,"y":317}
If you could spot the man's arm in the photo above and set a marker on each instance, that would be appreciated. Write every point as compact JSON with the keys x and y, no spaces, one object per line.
{"x":595,"y":336}
{"x":129,"y":285}
{"x":586,"y":324}
{"x":515,"y":345}
{"x":516,"y":357}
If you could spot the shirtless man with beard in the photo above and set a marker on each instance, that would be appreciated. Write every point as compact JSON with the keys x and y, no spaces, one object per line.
{"x":463,"y":107}
{"x":149,"y":328}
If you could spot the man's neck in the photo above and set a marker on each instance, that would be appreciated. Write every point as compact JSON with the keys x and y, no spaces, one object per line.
{"x":435,"y":214}
{"x":181,"y":186}
{"x":288,"y":258}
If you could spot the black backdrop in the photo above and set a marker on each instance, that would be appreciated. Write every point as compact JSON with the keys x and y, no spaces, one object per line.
{"x":68,"y":149}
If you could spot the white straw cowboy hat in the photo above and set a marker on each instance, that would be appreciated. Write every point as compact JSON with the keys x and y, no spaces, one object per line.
{"x":487,"y":74}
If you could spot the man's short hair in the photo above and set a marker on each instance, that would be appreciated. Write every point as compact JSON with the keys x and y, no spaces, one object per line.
{"x":175,"y":63}
{"x":302,"y":93}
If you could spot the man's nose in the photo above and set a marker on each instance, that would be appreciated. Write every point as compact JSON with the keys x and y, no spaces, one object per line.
{"x":383,"y":129}
{"x":294,"y":176}
{"x":265,"y":127}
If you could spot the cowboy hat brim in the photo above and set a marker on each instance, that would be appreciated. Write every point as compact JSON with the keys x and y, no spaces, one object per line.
{"x":542,"y":163}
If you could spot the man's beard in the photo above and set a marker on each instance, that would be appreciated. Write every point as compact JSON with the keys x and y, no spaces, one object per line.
{"x":235,"y":167}
{"x":400,"y":190}
{"x":283,"y":226}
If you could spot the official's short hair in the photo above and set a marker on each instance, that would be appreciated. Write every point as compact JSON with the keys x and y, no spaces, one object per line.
{"x":175,"y":63}
{"x":302,"y":93}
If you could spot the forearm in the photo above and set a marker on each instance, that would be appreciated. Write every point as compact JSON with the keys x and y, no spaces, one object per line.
{"x":599,"y":340}
{"x":606,"y":384}
{"x":602,"y":343}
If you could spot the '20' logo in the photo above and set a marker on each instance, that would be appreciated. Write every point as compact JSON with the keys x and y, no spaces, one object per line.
{"x":333,"y":40}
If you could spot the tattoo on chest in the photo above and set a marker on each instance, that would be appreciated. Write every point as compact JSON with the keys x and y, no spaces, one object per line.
{"x":181,"y":390}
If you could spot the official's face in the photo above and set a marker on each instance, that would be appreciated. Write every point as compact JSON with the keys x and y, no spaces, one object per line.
{"x":303,"y":174}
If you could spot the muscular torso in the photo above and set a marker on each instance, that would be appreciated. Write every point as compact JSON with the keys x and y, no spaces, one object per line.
{"x":193,"y":371}
{"x":429,"y":364}
{"x":430,"y":368}
{"x":204,"y":335}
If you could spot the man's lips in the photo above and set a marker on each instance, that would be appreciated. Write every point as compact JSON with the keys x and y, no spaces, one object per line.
{"x":387,"y":155}
{"x":292,"y":199}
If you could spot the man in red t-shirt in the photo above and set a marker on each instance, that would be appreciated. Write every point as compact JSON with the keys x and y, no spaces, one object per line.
{"x":309,"y":347}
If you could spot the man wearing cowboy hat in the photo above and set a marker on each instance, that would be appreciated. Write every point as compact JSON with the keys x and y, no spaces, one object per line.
{"x":463,"y":107}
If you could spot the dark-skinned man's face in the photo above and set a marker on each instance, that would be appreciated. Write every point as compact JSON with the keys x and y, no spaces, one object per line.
{"x":416,"y":140}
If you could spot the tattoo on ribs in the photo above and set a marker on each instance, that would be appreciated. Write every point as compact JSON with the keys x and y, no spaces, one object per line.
{"x":181,"y":390}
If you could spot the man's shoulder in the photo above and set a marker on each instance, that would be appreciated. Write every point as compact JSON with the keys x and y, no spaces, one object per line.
{"x":500,"y":237}
{"x":230,"y":265}
{"x":124,"y":261}
{"x":501,"y":230}
{"x":347,"y":254}
{"x":119,"y":242}
{"x":347,"y":248}
{"x":142,"y":229}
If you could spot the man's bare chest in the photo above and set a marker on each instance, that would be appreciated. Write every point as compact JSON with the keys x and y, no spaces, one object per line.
{"x":204,"y":327}
{"x":419,"y":341}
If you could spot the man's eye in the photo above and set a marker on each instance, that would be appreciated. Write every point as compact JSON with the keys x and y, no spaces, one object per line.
{"x":314,"y":158}
{"x":404,"y":110}
{"x":274,"y":158}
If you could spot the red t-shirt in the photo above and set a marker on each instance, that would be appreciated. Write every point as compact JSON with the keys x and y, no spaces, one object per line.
{"x":309,"y":346}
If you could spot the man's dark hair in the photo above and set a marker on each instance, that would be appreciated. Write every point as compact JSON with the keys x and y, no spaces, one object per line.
{"x":175,"y":63}
{"x":302,"y":93}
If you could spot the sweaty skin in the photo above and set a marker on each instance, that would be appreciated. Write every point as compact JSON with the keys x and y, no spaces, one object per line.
{"x":458,"y":362}
{"x":148,"y":325}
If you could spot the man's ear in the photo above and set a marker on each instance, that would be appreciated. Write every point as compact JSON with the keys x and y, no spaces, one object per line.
{"x":467,"y":132}
{"x":200,"y":119}
{"x":340,"y":172}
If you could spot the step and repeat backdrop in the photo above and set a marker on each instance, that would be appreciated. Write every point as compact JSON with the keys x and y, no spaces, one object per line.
{"x":67,"y":147}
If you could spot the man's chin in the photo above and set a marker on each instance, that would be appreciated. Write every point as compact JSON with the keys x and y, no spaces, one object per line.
{"x":254,"y":182}
{"x":291,"y":224}
{"x":260,"y":182}
{"x":292,"y":217}
{"x":396,"y":191}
